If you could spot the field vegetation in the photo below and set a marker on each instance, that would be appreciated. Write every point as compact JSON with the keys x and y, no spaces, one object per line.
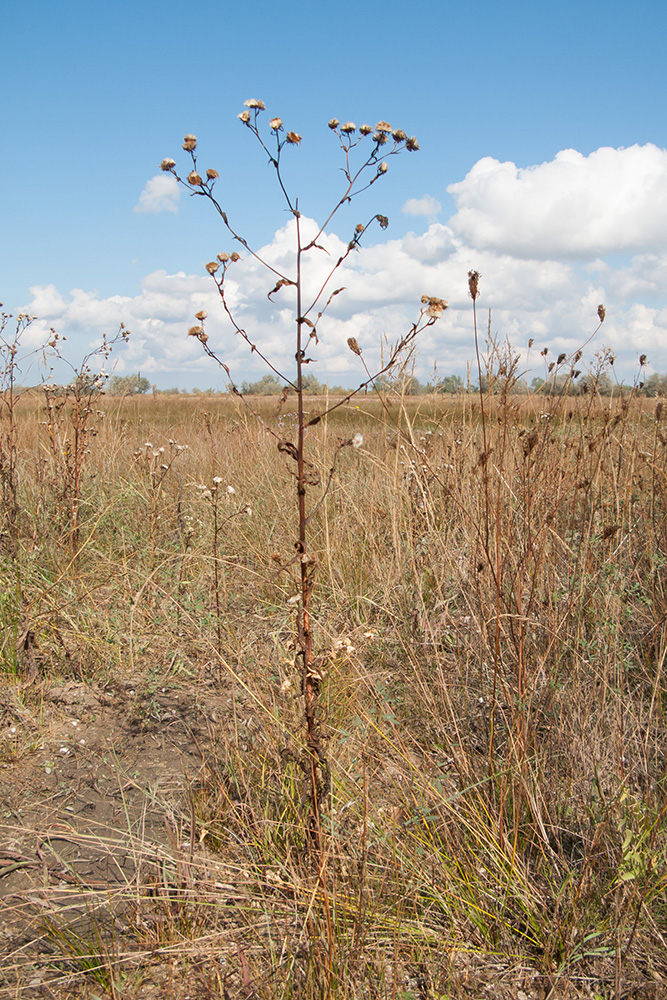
{"x":490,"y":626}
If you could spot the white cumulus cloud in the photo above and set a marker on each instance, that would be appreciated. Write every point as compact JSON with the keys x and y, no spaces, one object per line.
{"x":427,"y":206}
{"x":161,"y":194}
{"x":544,"y":238}
{"x":612,"y":201}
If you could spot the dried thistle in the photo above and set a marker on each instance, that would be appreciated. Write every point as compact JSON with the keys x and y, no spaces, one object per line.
{"x":293,"y":138}
{"x":190,"y":143}
{"x":602,"y":312}
{"x":194,"y":178}
{"x":354,"y":346}
{"x":252,"y":102}
{"x":473,"y":284}
{"x":167,"y":164}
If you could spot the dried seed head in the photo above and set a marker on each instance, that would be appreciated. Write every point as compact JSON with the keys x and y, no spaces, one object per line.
{"x":530,"y":342}
{"x":167,"y":164}
{"x":333,"y":123}
{"x":194,"y":178}
{"x":234,"y":257}
{"x":642,"y":360}
{"x":190,"y":143}
{"x":212,"y":266}
{"x":359,"y":228}
{"x":293,"y":138}
{"x":398,"y":135}
{"x":436,"y":307}
{"x":380,"y":138}
{"x":275,"y":124}
{"x":357,"y":440}
{"x":383,"y":127}
{"x":252,"y":102}
{"x":412,"y":145}
{"x":383,"y":220}
{"x":348,"y":128}
{"x":602,"y":312}
{"x":473,"y":284}
{"x":354,"y":346}
{"x":365,"y":129}
{"x":201,"y":316}
{"x":244,"y":117}
{"x":383,"y":168}
{"x":561,"y":358}
{"x":212,"y":175}
{"x":194,"y":331}
{"x":223,"y":257}
{"x":276,"y":557}
{"x":544,"y":352}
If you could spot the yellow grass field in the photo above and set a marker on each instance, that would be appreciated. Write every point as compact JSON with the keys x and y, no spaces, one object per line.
{"x":489,"y":621}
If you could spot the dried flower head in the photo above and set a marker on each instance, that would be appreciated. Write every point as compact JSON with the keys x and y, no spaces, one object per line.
{"x":194,"y":178}
{"x":190,"y":143}
{"x":333,"y":123}
{"x":383,"y":220}
{"x":602,"y":312}
{"x":348,"y":127}
{"x":380,"y":138}
{"x":359,"y":228}
{"x":167,"y":164}
{"x":435,"y":307}
{"x":642,"y":360}
{"x":398,"y":135}
{"x":201,"y":316}
{"x":383,"y":127}
{"x":353,"y":345}
{"x":252,"y":102}
{"x":195,"y":331}
{"x":383,"y":168}
{"x":561,"y":358}
{"x":244,"y":117}
{"x":293,"y":138}
{"x":223,"y":257}
{"x":530,"y":342}
{"x":365,"y":129}
{"x":357,"y":440}
{"x":473,"y":284}
{"x":275,"y":124}
{"x":411,"y":144}
{"x":234,"y":257}
{"x":212,"y":266}
{"x":211,"y":174}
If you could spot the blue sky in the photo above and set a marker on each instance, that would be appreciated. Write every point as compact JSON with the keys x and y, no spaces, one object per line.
{"x":96,"y":95}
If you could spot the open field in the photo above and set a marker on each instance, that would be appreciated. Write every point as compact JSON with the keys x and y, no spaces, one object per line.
{"x":490,"y":627}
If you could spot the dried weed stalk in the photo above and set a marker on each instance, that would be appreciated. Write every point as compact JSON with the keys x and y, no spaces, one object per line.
{"x":365,"y":152}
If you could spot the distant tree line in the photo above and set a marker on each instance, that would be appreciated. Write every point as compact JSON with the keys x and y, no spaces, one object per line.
{"x":270,"y":385}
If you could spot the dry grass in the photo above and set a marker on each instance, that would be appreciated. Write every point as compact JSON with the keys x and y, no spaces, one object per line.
{"x":491,"y":632}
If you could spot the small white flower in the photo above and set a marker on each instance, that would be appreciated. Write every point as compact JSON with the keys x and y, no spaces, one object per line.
{"x":217,"y":480}
{"x":357,"y":440}
{"x":231,"y":491}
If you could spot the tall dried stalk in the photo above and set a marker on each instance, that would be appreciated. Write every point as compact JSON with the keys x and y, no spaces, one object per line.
{"x":359,"y":176}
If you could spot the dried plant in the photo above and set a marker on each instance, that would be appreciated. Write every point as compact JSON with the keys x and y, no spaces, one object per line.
{"x":365,"y":152}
